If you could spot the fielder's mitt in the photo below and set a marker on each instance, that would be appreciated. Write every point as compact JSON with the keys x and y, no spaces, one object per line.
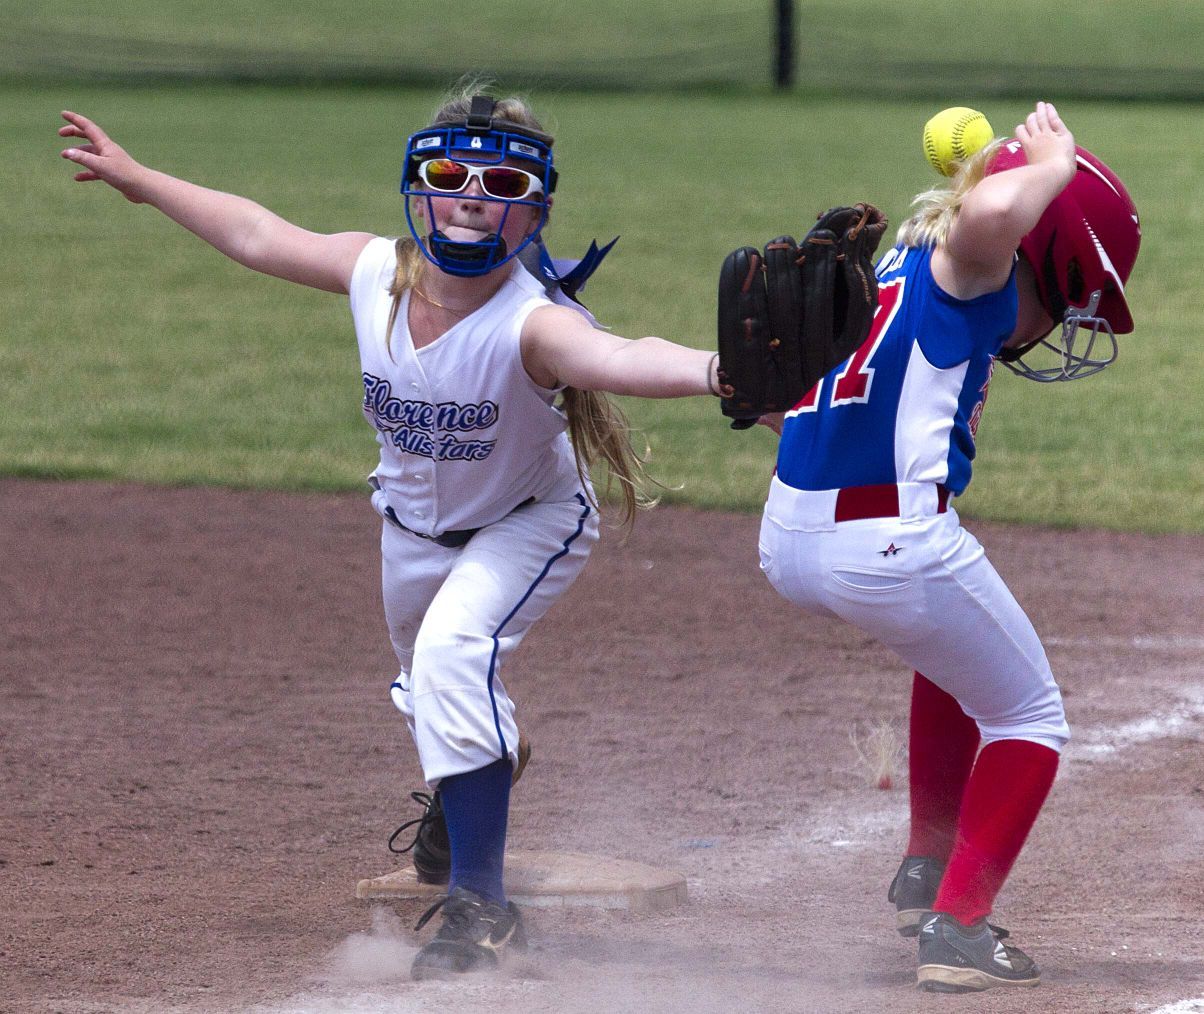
{"x":787,"y":316}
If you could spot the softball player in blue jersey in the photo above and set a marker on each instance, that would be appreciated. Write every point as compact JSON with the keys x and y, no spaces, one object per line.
{"x":474,"y":366}
{"x":1034,"y":233}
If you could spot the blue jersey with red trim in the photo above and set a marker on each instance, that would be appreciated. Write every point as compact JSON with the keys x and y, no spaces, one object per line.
{"x":905,"y":406}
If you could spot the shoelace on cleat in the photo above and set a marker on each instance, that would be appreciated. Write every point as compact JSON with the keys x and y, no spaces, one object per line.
{"x":430,"y":912}
{"x":426,"y":801}
{"x":455,"y":917}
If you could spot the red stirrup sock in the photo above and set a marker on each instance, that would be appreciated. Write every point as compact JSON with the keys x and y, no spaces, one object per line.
{"x":1006,"y":791}
{"x":943,"y":744}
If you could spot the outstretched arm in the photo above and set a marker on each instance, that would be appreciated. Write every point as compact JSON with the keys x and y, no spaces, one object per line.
{"x":241,"y":229}
{"x":1004,"y":207}
{"x":560,"y":347}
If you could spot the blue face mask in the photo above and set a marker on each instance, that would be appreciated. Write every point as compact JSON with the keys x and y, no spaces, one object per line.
{"x":481,"y":139}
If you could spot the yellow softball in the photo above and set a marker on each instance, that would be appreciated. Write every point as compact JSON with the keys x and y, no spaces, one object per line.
{"x":953,"y":135}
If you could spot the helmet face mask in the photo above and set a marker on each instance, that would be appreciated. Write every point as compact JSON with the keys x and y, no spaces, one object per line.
{"x":478,"y":139}
{"x":1082,"y":252}
{"x":1080,"y":326}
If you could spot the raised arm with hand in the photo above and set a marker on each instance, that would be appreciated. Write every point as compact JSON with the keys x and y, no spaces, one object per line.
{"x":244,"y":231}
{"x":1003,"y":207}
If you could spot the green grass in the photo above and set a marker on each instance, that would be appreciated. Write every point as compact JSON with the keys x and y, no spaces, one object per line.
{"x":606,"y":41}
{"x":132,"y":351}
{"x":1114,"y":48}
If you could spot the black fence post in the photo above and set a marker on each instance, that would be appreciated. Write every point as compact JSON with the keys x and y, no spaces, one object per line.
{"x":783,"y":71}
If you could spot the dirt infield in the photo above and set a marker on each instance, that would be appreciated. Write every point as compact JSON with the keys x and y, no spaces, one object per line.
{"x":200,"y":759}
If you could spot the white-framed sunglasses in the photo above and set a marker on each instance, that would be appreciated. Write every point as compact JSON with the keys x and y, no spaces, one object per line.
{"x":506,"y":183}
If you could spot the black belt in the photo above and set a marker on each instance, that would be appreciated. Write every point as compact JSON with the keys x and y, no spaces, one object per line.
{"x":448,"y":540}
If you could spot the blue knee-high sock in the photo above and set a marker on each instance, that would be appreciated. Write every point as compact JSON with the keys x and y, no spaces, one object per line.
{"x":475,"y":805}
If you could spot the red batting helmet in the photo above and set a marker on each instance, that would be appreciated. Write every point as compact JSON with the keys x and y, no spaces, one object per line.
{"x":1082,"y":252}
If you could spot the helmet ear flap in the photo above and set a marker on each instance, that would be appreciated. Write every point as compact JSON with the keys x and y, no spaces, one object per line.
{"x":1076,"y":287}
{"x":1048,"y":285}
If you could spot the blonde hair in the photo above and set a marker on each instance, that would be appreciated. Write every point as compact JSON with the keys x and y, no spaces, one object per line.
{"x":936,"y":209}
{"x":598,"y":429}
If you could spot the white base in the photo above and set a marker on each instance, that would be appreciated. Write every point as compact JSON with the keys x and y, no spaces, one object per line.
{"x":557,"y":880}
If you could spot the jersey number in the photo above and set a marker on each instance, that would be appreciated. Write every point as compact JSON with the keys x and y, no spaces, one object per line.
{"x":852,"y":385}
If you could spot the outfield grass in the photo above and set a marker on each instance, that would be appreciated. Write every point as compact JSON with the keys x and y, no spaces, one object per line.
{"x":1113,"y":48}
{"x":131,"y":351}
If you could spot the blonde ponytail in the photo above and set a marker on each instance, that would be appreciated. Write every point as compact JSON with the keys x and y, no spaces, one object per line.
{"x":409,"y":267}
{"x":936,"y":210}
{"x":599,"y":430}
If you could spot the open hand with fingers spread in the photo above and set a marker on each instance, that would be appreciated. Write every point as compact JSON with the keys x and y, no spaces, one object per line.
{"x":101,"y":158}
{"x":1045,"y":138}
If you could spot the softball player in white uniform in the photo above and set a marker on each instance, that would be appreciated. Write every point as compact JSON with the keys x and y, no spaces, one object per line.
{"x":487,"y":512}
{"x":859,"y":524}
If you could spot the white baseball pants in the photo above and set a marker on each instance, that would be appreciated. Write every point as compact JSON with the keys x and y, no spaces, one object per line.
{"x":455,"y":615}
{"x":922,"y":585}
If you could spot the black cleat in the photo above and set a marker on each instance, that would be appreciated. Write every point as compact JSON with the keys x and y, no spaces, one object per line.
{"x":913,"y":892}
{"x":431,"y":848}
{"x":475,"y":934}
{"x":968,"y":959}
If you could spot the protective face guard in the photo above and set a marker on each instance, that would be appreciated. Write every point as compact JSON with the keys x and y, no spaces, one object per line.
{"x":1071,"y":364}
{"x":481,"y":139}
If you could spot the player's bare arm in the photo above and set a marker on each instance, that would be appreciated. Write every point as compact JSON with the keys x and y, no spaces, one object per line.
{"x":560,"y":347}
{"x":244,"y":231}
{"x":1004,"y":207}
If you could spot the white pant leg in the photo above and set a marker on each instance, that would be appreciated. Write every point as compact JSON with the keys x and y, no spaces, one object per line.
{"x":500,"y":583}
{"x":925,"y":589}
{"x":412,"y":572}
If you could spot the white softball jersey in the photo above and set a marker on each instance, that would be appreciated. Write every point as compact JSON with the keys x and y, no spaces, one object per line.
{"x":465,"y":435}
{"x":467,"y":441}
